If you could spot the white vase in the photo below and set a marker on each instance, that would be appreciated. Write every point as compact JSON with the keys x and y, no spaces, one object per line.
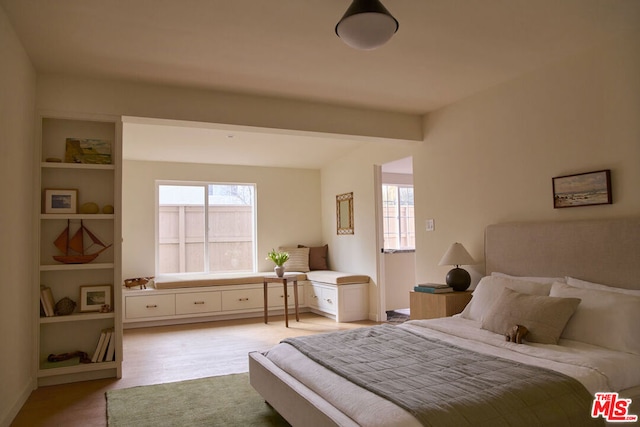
{"x":279,"y":269}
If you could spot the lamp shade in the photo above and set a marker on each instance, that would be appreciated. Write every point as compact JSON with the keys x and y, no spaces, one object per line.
{"x":457,"y":255}
{"x":366,"y":25}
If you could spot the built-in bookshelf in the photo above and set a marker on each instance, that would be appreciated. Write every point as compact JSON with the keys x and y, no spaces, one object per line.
{"x":69,"y":182}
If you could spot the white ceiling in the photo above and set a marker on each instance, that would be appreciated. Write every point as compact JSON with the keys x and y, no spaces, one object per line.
{"x":445,"y":50}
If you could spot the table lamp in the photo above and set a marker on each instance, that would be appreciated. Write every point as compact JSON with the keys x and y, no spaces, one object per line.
{"x":458,"y":278}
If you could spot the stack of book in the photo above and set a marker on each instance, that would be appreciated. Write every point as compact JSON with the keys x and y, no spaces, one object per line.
{"x":105,"y":350}
{"x":433,"y":288}
{"x":47,"y":302}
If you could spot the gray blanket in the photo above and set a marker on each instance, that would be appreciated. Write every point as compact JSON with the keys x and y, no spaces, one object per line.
{"x":444,"y":385}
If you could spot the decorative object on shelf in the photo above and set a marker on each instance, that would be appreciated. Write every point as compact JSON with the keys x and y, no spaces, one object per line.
{"x":65,"y":307}
{"x":105,"y":308}
{"x":84,"y":357}
{"x":138,"y":281}
{"x":53,"y":160}
{"x":366,"y":25}
{"x":344,"y":213}
{"x":93,"y":297}
{"x":107,"y":209}
{"x":60,"y":201}
{"x":88,"y":151}
{"x":73,"y":246}
{"x":279,"y":258}
{"x":583,"y":189}
{"x":89,"y":208}
{"x":458,"y":278}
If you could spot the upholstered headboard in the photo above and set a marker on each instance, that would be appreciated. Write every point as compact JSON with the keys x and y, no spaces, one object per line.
{"x":601,"y":251}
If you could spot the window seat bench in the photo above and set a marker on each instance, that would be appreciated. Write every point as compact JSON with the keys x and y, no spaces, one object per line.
{"x":199,"y":298}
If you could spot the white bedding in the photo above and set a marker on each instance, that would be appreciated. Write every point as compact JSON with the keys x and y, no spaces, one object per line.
{"x":597,"y":368}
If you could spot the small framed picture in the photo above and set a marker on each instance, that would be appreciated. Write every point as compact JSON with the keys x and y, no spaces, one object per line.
{"x":583,"y":189}
{"x":95,"y":297}
{"x":58,"y":201}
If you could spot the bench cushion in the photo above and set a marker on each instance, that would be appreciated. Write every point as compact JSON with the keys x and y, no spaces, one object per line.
{"x":203,"y":280}
{"x":336,"y":277}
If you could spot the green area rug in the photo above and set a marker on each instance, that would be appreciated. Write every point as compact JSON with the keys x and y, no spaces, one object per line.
{"x":227,"y":400}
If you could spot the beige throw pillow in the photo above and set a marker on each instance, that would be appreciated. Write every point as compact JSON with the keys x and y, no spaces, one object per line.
{"x":544,"y":317}
{"x":298,"y":259}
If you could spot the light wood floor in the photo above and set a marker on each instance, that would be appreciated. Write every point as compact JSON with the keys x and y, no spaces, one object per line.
{"x":166,"y":354}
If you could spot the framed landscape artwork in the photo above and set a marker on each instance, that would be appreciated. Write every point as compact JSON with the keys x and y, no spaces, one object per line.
{"x":584,"y":189}
{"x":59,"y":201}
{"x":92,"y":298}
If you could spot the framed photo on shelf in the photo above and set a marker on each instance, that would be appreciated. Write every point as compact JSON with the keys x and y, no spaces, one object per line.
{"x":583,"y":189}
{"x":59,"y":201}
{"x":94,"y":297}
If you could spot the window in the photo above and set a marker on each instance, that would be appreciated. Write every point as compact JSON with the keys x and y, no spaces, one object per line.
{"x":398,"y":217}
{"x":206,"y":228}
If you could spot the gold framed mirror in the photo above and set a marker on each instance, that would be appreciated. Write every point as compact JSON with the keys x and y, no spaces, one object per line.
{"x":344,"y":213}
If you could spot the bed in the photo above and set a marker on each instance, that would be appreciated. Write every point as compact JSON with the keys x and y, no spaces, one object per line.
{"x":561,"y":278}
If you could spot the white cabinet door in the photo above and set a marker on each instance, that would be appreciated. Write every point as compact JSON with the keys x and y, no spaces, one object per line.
{"x":198,"y":302}
{"x":150,"y":306}
{"x":242,"y":299}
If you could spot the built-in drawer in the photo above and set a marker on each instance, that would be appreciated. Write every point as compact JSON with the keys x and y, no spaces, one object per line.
{"x":323,"y":297}
{"x":242,"y":299}
{"x":276,"y":296}
{"x":141,"y":306}
{"x":198,"y":302}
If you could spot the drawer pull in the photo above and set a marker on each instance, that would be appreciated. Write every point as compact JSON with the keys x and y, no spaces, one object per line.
{"x":152,"y":305}
{"x":329,"y":301}
{"x":198,"y":302}
{"x":243,"y":299}
{"x":288,"y":296}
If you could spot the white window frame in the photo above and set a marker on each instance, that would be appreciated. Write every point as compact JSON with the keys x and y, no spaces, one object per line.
{"x":204,"y":185}
{"x":400,"y":219}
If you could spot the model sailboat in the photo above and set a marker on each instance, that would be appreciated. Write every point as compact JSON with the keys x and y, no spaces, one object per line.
{"x":73,"y":246}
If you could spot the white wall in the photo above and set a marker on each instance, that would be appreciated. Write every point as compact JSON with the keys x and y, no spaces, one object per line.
{"x":490,"y":158}
{"x":17,"y":308}
{"x":288,"y":207}
{"x":354,"y":172}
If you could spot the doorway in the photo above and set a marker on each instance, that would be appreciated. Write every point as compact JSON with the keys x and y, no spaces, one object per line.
{"x":396,"y":230}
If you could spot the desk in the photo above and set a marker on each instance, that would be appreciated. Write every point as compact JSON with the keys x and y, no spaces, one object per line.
{"x":293,"y":278}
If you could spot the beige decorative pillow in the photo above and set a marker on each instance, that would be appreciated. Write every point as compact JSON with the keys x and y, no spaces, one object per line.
{"x":317,"y":257}
{"x":489,"y":289}
{"x":544,"y":317}
{"x":298,"y":259}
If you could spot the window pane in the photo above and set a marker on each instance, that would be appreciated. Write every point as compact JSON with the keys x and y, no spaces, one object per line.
{"x":231,"y":219}
{"x":229,"y":215}
{"x":398,"y":217}
{"x":181,"y":229}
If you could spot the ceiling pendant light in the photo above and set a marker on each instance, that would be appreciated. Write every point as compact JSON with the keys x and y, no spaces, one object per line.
{"x":366,"y":25}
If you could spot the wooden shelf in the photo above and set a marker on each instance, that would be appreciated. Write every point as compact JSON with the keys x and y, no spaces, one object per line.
{"x":75,"y":369}
{"x":77,"y":216}
{"x":68,"y":267}
{"x":53,"y":165}
{"x":76,"y":317}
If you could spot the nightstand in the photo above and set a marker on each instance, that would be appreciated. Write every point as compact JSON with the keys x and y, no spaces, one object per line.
{"x":424,"y":305}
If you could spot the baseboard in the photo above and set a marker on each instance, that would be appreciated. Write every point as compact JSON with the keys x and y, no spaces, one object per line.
{"x":8,"y":417}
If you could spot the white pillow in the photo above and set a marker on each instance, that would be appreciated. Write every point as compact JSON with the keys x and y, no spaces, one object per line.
{"x":489,"y":289}
{"x":606,"y":319}
{"x":577,"y":283}
{"x":549,"y":280}
{"x":298,"y":259}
